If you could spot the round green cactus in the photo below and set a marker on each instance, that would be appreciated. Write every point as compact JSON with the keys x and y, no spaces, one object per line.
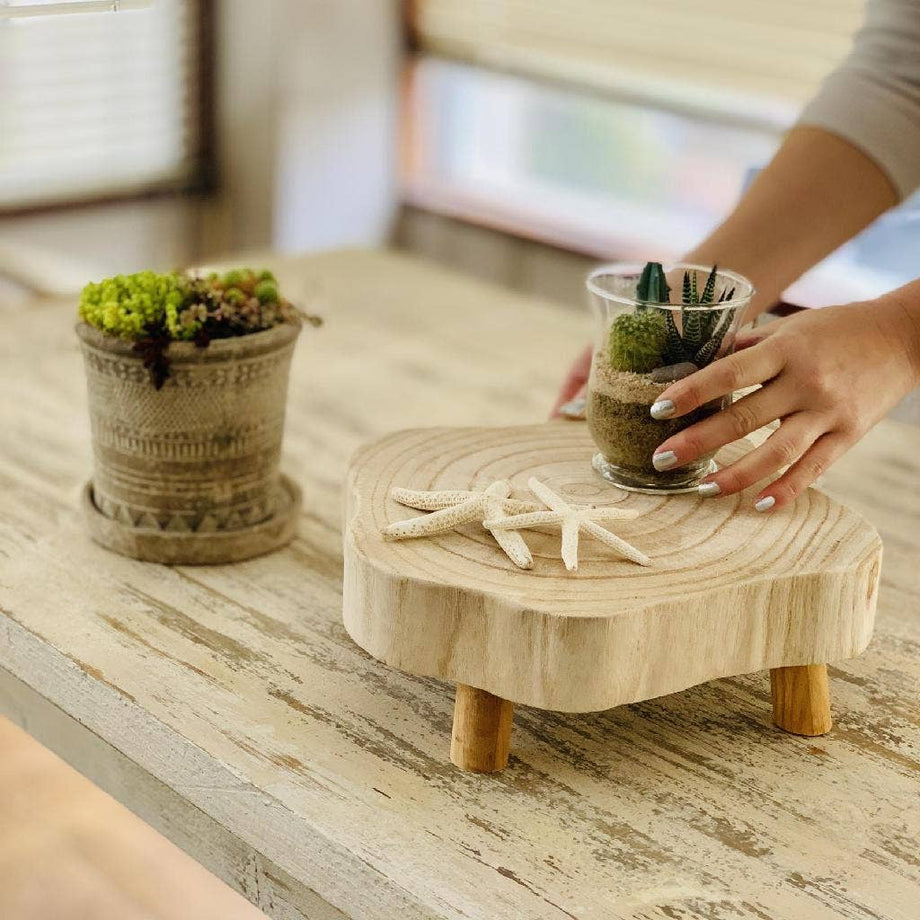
{"x":234,"y":296}
{"x":235,"y":277}
{"x":637,"y":341}
{"x":267,"y":292}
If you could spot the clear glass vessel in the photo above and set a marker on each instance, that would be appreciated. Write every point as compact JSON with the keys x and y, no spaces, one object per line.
{"x":642,"y":347}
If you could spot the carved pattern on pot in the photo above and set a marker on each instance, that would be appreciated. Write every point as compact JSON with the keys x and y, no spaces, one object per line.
{"x":210,"y":522}
{"x":202,"y":453}
{"x":180,"y":447}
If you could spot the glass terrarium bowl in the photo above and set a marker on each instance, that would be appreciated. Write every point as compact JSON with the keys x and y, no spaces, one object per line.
{"x":642,"y":347}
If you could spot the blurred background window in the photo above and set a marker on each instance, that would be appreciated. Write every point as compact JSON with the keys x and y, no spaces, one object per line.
{"x":575,"y":169}
{"x":616,"y":129}
{"x":531,"y":138}
{"x":99,"y":106}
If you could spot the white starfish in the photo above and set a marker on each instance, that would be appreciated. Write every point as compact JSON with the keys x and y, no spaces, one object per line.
{"x":453,"y":508}
{"x":573,"y":521}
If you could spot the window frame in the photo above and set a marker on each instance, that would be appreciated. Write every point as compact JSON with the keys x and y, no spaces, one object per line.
{"x":204,"y":179}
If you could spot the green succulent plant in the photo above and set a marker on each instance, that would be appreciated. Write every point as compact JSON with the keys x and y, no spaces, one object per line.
{"x":153,"y":309}
{"x":699,"y":338}
{"x":267,"y":292}
{"x":653,"y":285}
{"x":234,"y":296}
{"x":637,"y":341}
{"x":235,"y":277}
{"x":126,"y":305}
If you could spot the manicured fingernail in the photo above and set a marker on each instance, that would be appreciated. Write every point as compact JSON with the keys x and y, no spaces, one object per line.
{"x":665,"y":460}
{"x":662,"y":409}
{"x":766,"y":503}
{"x":574,"y":409}
{"x":708,"y":489}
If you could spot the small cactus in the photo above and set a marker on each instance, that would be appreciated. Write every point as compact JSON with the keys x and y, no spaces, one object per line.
{"x":640,"y":347}
{"x":235,"y":277}
{"x":637,"y":341}
{"x":652,"y":286}
{"x":702,"y":331}
{"x":267,"y":292}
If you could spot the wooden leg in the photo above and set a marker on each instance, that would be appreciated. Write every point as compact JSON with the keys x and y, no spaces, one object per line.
{"x":482,"y":730}
{"x":801,"y":701}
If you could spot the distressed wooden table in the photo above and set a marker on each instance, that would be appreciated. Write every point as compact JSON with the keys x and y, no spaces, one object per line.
{"x":228,"y":707}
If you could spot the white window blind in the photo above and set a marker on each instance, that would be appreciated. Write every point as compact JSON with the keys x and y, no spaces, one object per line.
{"x":745,"y":57}
{"x":97,"y":103}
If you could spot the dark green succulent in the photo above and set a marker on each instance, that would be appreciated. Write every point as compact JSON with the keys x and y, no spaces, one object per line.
{"x":653,"y":285}
{"x":702,"y":331}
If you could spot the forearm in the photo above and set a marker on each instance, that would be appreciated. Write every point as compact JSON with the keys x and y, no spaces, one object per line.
{"x":817,"y":192}
{"x":899,"y":316}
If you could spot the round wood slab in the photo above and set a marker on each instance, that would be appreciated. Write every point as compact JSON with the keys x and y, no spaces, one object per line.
{"x":730,"y":590}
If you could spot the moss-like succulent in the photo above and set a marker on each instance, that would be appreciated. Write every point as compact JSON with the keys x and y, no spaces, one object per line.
{"x":235,"y":277}
{"x":153,"y":310}
{"x":637,"y":341}
{"x":267,"y":292}
{"x":126,"y":305}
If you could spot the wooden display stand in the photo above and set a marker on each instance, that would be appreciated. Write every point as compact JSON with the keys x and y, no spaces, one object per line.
{"x":730,"y":591}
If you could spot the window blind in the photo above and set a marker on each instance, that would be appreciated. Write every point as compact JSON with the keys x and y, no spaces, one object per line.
{"x":749,"y":58}
{"x":96,"y":104}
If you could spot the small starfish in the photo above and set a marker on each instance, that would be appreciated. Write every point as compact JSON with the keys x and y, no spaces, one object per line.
{"x":453,"y":508}
{"x":573,"y":521}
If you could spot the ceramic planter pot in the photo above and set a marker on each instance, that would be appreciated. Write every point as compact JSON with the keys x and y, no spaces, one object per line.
{"x":191,"y":468}
{"x":640,"y":350}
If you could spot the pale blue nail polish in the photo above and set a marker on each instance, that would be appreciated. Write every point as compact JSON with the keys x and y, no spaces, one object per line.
{"x":574,"y":408}
{"x":662,"y":409}
{"x":664,"y":461}
{"x":708,"y":489}
{"x":766,"y":503}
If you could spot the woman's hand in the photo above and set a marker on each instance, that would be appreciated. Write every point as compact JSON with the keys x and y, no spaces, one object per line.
{"x":828,"y":375}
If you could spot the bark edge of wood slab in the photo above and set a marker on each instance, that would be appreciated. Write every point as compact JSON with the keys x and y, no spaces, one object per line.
{"x":730,"y":591}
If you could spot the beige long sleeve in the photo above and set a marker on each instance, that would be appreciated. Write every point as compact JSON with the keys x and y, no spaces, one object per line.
{"x":873,"y":99}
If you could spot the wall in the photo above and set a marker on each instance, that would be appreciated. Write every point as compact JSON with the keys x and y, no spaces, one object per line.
{"x":337,"y":123}
{"x":57,"y":251}
{"x":527,"y":266}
